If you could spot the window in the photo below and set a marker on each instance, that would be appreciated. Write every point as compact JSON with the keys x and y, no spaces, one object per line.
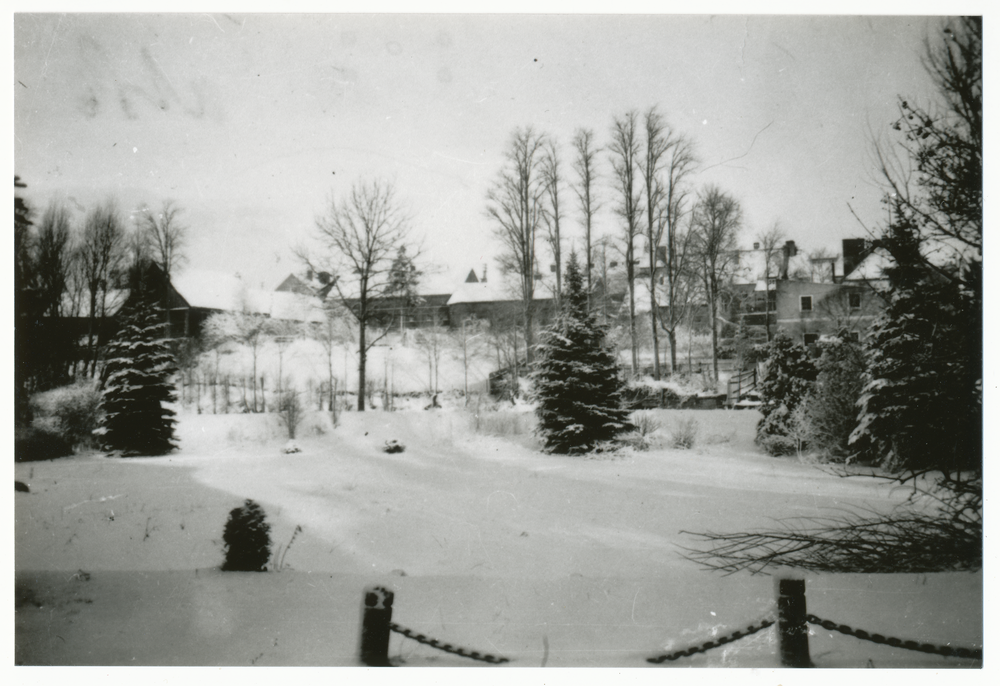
{"x":806,"y":303}
{"x":855,"y":336}
{"x":810,"y":338}
{"x":854,"y":301}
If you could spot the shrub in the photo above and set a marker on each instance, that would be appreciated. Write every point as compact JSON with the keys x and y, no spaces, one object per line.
{"x":830,"y":409}
{"x":34,"y":444}
{"x":777,"y":445}
{"x":393,"y":446}
{"x":69,"y":411}
{"x":789,"y":378}
{"x":502,"y":423}
{"x":247,"y":538}
{"x":645,"y":423}
{"x":290,"y":410}
{"x":684,"y":433}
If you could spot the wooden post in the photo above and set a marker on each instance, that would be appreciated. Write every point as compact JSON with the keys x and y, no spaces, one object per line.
{"x":793,"y":633}
{"x":375,"y":620}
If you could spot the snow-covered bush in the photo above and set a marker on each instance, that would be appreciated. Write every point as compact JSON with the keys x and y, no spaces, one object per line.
{"x":247,"y":539}
{"x":492,"y":422}
{"x":789,"y":378}
{"x":393,"y":446}
{"x":291,"y":448}
{"x":645,"y":423}
{"x":830,"y":411}
{"x":684,"y":433}
{"x":69,"y":411}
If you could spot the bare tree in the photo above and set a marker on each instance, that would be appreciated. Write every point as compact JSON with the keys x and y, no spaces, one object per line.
{"x":432,"y":342}
{"x":679,"y":165}
{"x":361,"y":235}
{"x":625,"y":150}
{"x":667,"y":162}
{"x":770,"y":243}
{"x":585,"y":165}
{"x":716,"y":221}
{"x":331,"y":333}
{"x":682,"y":280}
{"x":552,"y":215}
{"x":246,"y":328}
{"x":515,"y":204}
{"x":933,"y":175}
{"x":165,"y":235}
{"x":102,"y":253}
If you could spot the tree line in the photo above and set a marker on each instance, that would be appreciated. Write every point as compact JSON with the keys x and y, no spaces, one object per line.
{"x":686,"y":238}
{"x":78,"y":269}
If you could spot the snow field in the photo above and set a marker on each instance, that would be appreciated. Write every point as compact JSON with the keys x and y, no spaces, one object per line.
{"x":488,"y":544}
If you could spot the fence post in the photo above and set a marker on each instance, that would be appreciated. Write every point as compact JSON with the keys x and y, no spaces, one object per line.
{"x":793,"y":633}
{"x":375,"y":620}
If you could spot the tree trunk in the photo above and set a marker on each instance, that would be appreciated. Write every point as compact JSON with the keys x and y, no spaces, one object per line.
{"x":715,"y":337}
{"x":653,"y":314}
{"x":672,"y":338}
{"x":631,"y":327}
{"x":362,"y":360}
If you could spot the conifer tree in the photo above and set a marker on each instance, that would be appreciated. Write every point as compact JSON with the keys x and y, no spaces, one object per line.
{"x":137,"y":382}
{"x":577,"y":382}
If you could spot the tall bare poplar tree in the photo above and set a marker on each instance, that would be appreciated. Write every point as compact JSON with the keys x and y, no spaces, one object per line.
{"x":680,"y":163}
{"x":625,"y":150}
{"x":585,"y":164}
{"x":715,"y":223}
{"x":362,"y":234}
{"x":552,"y":214}
{"x":658,"y":144}
{"x":514,"y":202}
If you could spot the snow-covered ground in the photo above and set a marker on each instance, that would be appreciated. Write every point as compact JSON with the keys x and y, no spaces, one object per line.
{"x":487,"y":543}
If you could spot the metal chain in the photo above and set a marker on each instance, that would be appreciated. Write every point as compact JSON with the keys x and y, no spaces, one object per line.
{"x":705,"y":647}
{"x":947,"y":651}
{"x":446,"y":647}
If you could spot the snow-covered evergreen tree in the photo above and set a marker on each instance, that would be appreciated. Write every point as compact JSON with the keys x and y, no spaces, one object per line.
{"x":577,"y":382}
{"x":137,"y":383}
{"x":921,"y":407}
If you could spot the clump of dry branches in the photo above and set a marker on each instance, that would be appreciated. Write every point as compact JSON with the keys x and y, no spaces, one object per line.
{"x":937,"y":530}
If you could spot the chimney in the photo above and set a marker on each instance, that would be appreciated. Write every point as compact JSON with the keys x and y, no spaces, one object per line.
{"x":484,"y":272}
{"x":787,"y":251}
{"x":854,"y":251}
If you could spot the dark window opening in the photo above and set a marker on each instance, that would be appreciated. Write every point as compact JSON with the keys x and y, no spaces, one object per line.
{"x":810,"y":338}
{"x":806,"y":303}
{"x":854,"y":300}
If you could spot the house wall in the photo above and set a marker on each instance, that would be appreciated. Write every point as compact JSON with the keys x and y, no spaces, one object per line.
{"x":835,"y":307}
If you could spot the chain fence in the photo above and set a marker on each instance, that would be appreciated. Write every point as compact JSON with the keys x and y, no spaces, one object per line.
{"x":709,"y":645}
{"x":947,"y":651}
{"x":447,"y":647}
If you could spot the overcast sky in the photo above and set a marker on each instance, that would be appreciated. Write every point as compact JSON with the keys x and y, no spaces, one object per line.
{"x":250,"y":122}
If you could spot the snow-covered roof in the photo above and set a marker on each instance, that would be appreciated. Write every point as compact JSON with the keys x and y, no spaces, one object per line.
{"x":212,"y":290}
{"x":494,"y":291}
{"x":871,"y":268}
{"x":227,"y":292}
